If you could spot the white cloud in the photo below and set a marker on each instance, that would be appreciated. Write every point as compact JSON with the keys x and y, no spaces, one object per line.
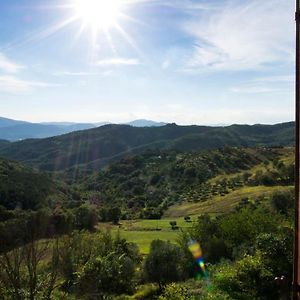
{"x":11,"y":84}
{"x":244,"y":35}
{"x":118,"y":62}
{"x":9,"y":66}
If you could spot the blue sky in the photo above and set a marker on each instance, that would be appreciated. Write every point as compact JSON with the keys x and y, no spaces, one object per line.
{"x":183,"y":61}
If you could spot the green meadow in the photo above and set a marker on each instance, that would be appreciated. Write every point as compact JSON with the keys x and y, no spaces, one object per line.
{"x":143,"y":232}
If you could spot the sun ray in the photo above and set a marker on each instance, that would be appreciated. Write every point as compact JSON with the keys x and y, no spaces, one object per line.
{"x":98,"y":17}
{"x":129,"y":39}
{"x":133,"y":20}
{"x":79,"y":32}
{"x":41,"y":34}
{"x":110,"y":42}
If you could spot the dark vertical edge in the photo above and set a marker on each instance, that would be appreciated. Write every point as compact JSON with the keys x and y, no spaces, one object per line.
{"x":296,"y":275}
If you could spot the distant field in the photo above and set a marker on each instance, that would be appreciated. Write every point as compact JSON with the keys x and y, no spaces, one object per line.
{"x":144,"y":238}
{"x":143,"y":232}
{"x":219,"y":204}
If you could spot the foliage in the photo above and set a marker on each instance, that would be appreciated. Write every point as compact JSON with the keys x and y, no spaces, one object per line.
{"x":97,"y":264}
{"x":245,"y":247}
{"x":22,"y":187}
{"x":164,"y":263}
{"x":175,"y":292}
{"x":24,"y":274}
{"x":85,"y":217}
{"x":283,"y":202}
{"x":146,"y":185}
{"x":248,"y":278}
{"x":112,"y":273}
{"x":224,"y":237}
{"x":99,"y":146}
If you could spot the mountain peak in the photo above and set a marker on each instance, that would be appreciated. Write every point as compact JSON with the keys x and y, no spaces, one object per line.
{"x":145,"y":123}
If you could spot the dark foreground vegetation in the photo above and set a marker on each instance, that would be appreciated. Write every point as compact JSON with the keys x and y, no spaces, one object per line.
{"x":244,"y":252}
{"x":53,"y":245}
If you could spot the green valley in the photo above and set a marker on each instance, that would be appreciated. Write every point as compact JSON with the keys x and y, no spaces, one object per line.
{"x":83,"y":226}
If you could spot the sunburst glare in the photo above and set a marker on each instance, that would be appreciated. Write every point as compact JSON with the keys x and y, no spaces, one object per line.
{"x":98,"y":14}
{"x":100,"y":17}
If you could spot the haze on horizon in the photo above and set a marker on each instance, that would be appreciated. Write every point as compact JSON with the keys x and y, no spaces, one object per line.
{"x":183,"y":61}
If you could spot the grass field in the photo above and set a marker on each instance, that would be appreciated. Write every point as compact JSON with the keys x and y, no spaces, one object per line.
{"x":143,"y":232}
{"x":225,"y":204}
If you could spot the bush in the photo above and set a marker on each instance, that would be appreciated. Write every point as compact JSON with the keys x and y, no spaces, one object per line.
{"x":85,"y":217}
{"x":164,"y":263}
{"x":111,"y":274}
{"x":97,"y":263}
{"x":175,"y":292}
{"x":247,"y":279}
{"x":283,"y":201}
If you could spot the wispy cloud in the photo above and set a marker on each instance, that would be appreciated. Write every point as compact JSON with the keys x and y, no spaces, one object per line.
{"x":270,"y":84}
{"x":254,"y":89}
{"x":245,"y":35}
{"x":69,"y":73}
{"x":180,"y":4}
{"x":8,"y":65}
{"x":276,"y":79}
{"x":118,"y":62}
{"x":11,"y":84}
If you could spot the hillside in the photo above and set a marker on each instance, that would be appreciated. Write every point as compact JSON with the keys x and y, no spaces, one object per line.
{"x":4,"y":143}
{"x":25,"y":188}
{"x":28,"y":130}
{"x":147,"y":185}
{"x":5,"y":122}
{"x":95,"y":148}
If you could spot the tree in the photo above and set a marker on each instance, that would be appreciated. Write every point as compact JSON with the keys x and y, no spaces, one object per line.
{"x":24,"y":272}
{"x":282,"y":201}
{"x":114,"y":215}
{"x":106,"y":275}
{"x":164,"y":264}
{"x":109,"y":267}
{"x":85,"y":217}
{"x":247,"y":278}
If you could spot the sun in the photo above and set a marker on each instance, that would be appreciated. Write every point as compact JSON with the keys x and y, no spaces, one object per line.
{"x":98,"y":14}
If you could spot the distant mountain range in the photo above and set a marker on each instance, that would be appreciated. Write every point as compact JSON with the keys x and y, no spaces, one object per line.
{"x":13,"y":130}
{"x":94,"y":148}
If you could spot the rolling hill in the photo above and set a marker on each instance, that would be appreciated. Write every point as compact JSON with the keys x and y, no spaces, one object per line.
{"x":97,"y":147}
{"x":23,"y":187}
{"x":213,"y":181}
{"x":5,"y":122}
{"x":13,"y":130}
